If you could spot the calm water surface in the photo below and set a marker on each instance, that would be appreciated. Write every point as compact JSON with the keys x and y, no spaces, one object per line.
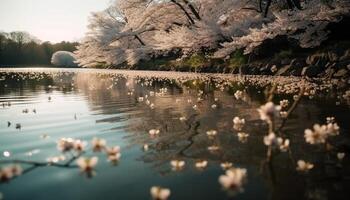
{"x":87,"y":105}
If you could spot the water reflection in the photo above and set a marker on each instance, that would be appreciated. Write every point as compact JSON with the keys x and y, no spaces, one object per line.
{"x":124,"y":109}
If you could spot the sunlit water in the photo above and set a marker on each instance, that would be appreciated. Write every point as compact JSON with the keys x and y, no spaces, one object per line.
{"x":84,"y":105}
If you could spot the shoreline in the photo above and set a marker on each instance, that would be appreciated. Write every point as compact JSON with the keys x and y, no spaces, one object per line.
{"x":289,"y":85}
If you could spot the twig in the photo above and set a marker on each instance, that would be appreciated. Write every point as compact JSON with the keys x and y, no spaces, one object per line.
{"x":36,"y":165}
{"x":291,"y":109}
{"x":271,"y":92}
{"x":41,"y":164}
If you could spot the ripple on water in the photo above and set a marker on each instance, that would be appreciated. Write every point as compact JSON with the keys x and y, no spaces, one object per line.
{"x":86,"y":103}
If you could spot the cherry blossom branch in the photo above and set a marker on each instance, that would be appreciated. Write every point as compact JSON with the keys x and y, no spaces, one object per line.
{"x":41,"y":164}
{"x":291,"y":109}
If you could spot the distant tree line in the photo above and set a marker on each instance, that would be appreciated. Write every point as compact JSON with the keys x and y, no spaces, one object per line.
{"x":21,"y":48}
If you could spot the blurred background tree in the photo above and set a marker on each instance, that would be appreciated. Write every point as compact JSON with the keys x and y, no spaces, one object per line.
{"x":21,"y":48}
{"x":63,"y":59}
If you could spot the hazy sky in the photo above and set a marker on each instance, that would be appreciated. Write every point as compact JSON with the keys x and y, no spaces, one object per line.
{"x":49,"y":20}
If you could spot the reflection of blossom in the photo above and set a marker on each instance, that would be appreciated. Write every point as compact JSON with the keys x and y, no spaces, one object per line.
{"x":201,"y":164}
{"x":304,"y":166}
{"x":212,"y":132}
{"x":154,"y":132}
{"x":182,"y":119}
{"x":145,"y":147}
{"x":238,"y":94}
{"x":242,"y":137}
{"x":213,"y":148}
{"x":159,"y":193}
{"x":233,"y":179}
{"x":177,"y":164}
{"x":56,"y":159}
{"x":194,"y":107}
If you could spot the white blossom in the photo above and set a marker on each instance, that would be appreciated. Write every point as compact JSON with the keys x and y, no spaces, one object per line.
{"x":177,"y":164}
{"x":284,"y":103}
{"x":65,"y":144}
{"x":212,"y":133}
{"x":320,"y":133}
{"x":238,"y":123}
{"x":233,"y":179}
{"x":238,"y":95}
{"x":154,"y":132}
{"x":304,"y":166}
{"x":201,"y":164}
{"x":269,"y":111}
{"x":159,"y":193}
{"x":226,"y":165}
{"x":113,"y":153}
{"x":87,"y":164}
{"x":8,"y":172}
{"x":98,"y":144}
{"x":340,"y":155}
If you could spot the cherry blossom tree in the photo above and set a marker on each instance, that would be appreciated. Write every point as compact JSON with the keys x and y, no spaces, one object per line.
{"x":130,"y":31}
{"x":63,"y":58}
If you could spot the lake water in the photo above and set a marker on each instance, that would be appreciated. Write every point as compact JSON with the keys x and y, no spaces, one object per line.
{"x":83,"y":104}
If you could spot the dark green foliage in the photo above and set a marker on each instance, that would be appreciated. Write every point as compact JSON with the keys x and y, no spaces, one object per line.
{"x":283,"y":54}
{"x":197,"y":85}
{"x":237,"y":59}
{"x":195,"y":61}
{"x":160,"y":63}
{"x":19,"y":48}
